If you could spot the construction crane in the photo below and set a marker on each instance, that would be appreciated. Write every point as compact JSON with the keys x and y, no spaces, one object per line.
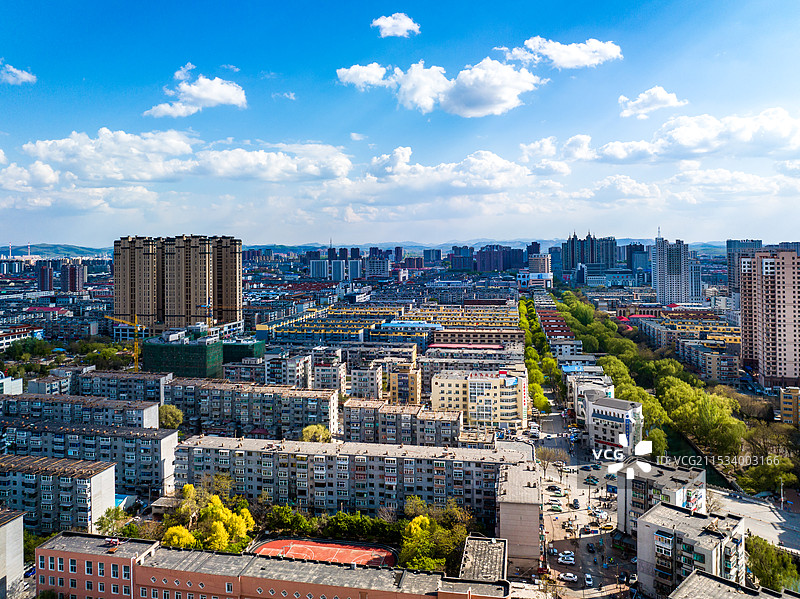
{"x":136,"y":328}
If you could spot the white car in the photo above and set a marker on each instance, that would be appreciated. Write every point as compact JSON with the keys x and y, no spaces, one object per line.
{"x":566,"y":561}
{"x":588,"y":580}
{"x":567,"y":554}
{"x":568,"y":577}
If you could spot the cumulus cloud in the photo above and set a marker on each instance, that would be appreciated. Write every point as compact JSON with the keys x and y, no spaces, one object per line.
{"x":397,"y":25}
{"x":543,"y":148}
{"x":590,"y":53}
{"x":648,"y":101}
{"x":14,"y":76}
{"x":37,"y":176}
{"x":3,"y":159}
{"x":357,"y":136}
{"x":551,"y":167}
{"x":279,"y":166}
{"x":578,"y":147}
{"x":627,"y":151}
{"x":488,"y":88}
{"x":192,"y":97}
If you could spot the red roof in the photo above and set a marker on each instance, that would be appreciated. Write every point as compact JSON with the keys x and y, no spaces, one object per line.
{"x":672,"y":305}
{"x":623,"y":319}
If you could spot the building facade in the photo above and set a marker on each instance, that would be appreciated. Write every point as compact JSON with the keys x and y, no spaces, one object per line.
{"x":676,"y":273}
{"x":72,"y":409}
{"x":375,"y":421}
{"x":405,"y":384}
{"x":608,"y":420}
{"x":12,"y":565}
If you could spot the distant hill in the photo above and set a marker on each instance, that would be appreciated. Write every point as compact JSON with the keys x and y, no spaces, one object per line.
{"x":55,"y":250}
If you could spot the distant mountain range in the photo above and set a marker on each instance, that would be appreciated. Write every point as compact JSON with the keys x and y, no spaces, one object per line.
{"x":48,"y":250}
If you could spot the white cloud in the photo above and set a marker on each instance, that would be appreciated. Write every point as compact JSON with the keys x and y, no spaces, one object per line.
{"x":397,"y":25}
{"x":787,"y":167}
{"x":231,"y":67}
{"x":284,"y":95}
{"x":627,"y":187}
{"x":627,"y":151}
{"x":648,"y":101}
{"x":543,"y":148}
{"x":362,"y":76}
{"x":490,"y":87}
{"x":578,"y":147}
{"x":551,"y":167}
{"x":202,"y":93}
{"x":291,"y":162}
{"x":590,"y":53}
{"x":13,"y":76}
{"x":37,"y":176}
{"x":3,"y":159}
{"x":357,"y":136}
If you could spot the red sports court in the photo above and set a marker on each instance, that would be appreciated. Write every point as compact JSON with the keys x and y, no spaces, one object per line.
{"x":342,"y":553}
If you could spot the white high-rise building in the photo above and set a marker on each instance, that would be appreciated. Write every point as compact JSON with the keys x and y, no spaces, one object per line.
{"x":354,"y":269}
{"x":318,"y":269}
{"x":338,"y":270}
{"x":676,"y":273}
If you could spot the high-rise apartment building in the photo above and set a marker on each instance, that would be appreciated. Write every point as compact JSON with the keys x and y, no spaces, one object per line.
{"x":178,"y":281}
{"x":676,"y":273}
{"x":736,"y":248}
{"x":72,"y":277}
{"x":770,"y":322}
{"x":576,"y":251}
{"x":607,"y":252}
{"x":45,"y":278}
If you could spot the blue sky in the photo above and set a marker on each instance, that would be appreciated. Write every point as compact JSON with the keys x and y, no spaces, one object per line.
{"x":379,"y":121}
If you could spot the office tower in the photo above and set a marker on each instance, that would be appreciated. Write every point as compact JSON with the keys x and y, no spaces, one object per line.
{"x":318,"y":269}
{"x":178,"y":281}
{"x":770,"y":322}
{"x":676,"y":274}
{"x":355,"y":253}
{"x":375,"y":252}
{"x":45,"y":278}
{"x":398,"y":254}
{"x":607,"y":252}
{"x":576,"y":251}
{"x":354,"y":269}
{"x":534,"y":247}
{"x":540,"y":263}
{"x":555,"y":253}
{"x":342,"y":254}
{"x":338,"y":270}
{"x":736,"y":248}
{"x":72,"y":277}
{"x":499,"y":258}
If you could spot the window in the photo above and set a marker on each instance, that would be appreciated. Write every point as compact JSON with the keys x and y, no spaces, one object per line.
{"x":272,"y":591}
{"x":284,"y":593}
{"x":126,"y":590}
{"x":259,"y":590}
{"x":101,"y":587}
{"x":73,"y":566}
{"x":165,"y":594}
{"x":60,"y":582}
{"x":101,"y":569}
{"x":177,"y":595}
{"x":202,"y":585}
{"x":177,"y":583}
{"x":309,"y":596}
{"x":88,"y":568}
{"x":52,"y":581}
{"x":52,"y":561}
{"x":296,"y":595}
{"x":189,"y":595}
{"x":143,"y":592}
{"x":154,"y":593}
{"x":73,"y":584}
{"x":114,"y":570}
{"x":60,"y":564}
{"x":115,"y":589}
{"x":229,"y":587}
{"x":41,"y":579}
{"x":41,"y":562}
{"x":88,"y":585}
{"x":126,"y":572}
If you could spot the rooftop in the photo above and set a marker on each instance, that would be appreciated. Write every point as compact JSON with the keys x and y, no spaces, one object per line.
{"x":484,"y":559}
{"x":518,"y":484}
{"x":705,"y":530}
{"x":88,"y":401}
{"x":52,"y":466}
{"x":74,"y":542}
{"x":667,"y":476}
{"x":7,"y":516}
{"x":702,"y":585}
{"x":616,"y":404}
{"x":244,"y":387}
{"x":116,"y":374}
{"x":348,"y":448}
{"x":57,"y":427}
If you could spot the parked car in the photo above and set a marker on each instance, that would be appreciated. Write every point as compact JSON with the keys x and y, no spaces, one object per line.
{"x":586,"y":467}
{"x":576,"y":504}
{"x":623,"y":577}
{"x":596,"y":466}
{"x":556,"y":508}
{"x":566,"y":561}
{"x":633,"y":579}
{"x":567,"y":554}
{"x":607,"y":527}
{"x":588,"y":580}
{"x":590,"y":547}
{"x":568,"y":577}
{"x":552,"y":488}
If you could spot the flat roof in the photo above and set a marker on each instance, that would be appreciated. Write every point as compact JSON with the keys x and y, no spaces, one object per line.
{"x":75,"y":542}
{"x":706,"y":530}
{"x":7,"y":516}
{"x":87,"y":400}
{"x":616,"y":404}
{"x":118,"y":374}
{"x":52,"y":466}
{"x":667,"y":476}
{"x":518,"y":483}
{"x":246,"y":387}
{"x":373,"y":404}
{"x":350,"y":448}
{"x":702,"y":585}
{"x":484,"y":559}
{"x":58,"y":427}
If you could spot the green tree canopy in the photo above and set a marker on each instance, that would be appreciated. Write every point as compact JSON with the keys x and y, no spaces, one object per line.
{"x":169,"y":416}
{"x":317,"y":433}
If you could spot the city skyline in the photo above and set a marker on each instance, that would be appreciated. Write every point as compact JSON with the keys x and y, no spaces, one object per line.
{"x":281,"y":125}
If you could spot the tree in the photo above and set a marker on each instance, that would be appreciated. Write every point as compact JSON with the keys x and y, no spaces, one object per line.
{"x":179,"y":536}
{"x":659,"y":440}
{"x":767,"y":476}
{"x":317,"y":433}
{"x":765,"y":438}
{"x":112,"y":520}
{"x":773,"y":568}
{"x":218,"y":540}
{"x":169,"y":416}
{"x":30,"y":542}
{"x":414,"y":507}
{"x":548,"y":455}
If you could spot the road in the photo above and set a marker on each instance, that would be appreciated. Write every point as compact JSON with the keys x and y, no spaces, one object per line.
{"x":574,"y":486}
{"x":761,"y":518}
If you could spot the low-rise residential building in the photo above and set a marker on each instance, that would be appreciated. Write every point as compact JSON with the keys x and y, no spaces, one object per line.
{"x":76,"y":409}
{"x":376,"y":421}
{"x":789,"y":399}
{"x":405,"y":384}
{"x":12,"y":565}
{"x":479,"y":336}
{"x":126,"y":386}
{"x":475,"y":438}
{"x":519,"y":499}
{"x":49,"y":385}
{"x":607,"y":419}
{"x":85,"y":565}
{"x":702,"y":585}
{"x":145,"y":457}
{"x":328,"y":371}
{"x":10,"y":386}
{"x":327,"y":477}
{"x":714,"y":360}
{"x":566,"y":347}
{"x":280,"y":412}
{"x":14,"y":333}
{"x":674,"y":541}
{"x":57,"y":494}
{"x":652,"y":484}
{"x":666,"y":332}
{"x":487,"y":399}
{"x":367,"y":382}
{"x":280,"y":367}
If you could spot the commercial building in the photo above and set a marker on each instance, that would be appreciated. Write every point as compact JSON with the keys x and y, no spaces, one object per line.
{"x":580,"y":386}
{"x":608,"y":418}
{"x":676,"y":273}
{"x":375,"y":421}
{"x":487,"y":399}
{"x":673,"y":542}
{"x":139,"y":568}
{"x":519,"y":497}
{"x":73,"y":409}
{"x":279,"y":412}
{"x":144,"y":456}
{"x":770,"y":323}
{"x":12,"y":565}
{"x":652,"y":484}
{"x":327,"y":477}
{"x":790,"y":405}
{"x":405,"y":384}
{"x":56,"y":494}
{"x":178,"y":281}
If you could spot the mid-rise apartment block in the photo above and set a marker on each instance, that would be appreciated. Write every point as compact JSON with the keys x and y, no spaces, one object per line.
{"x":10,"y":386}
{"x":327,"y":477}
{"x":489,"y":359}
{"x":478,"y":336}
{"x":75,"y":409}
{"x":195,"y":351}
{"x":328,"y":371}
{"x":280,"y":412}
{"x":405,"y":384}
{"x":657,"y":483}
{"x":673,"y":542}
{"x":607,"y":419}
{"x":367,"y":382}
{"x":487,"y":399}
{"x":519,"y":497}
{"x":12,"y":565}
{"x":144,"y":456}
{"x":81,"y":565}
{"x":57,"y":494}
{"x":789,"y":399}
{"x":126,"y":386}
{"x":177,"y":281}
{"x":770,"y":322}
{"x":49,"y":385}
{"x":375,"y":421}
